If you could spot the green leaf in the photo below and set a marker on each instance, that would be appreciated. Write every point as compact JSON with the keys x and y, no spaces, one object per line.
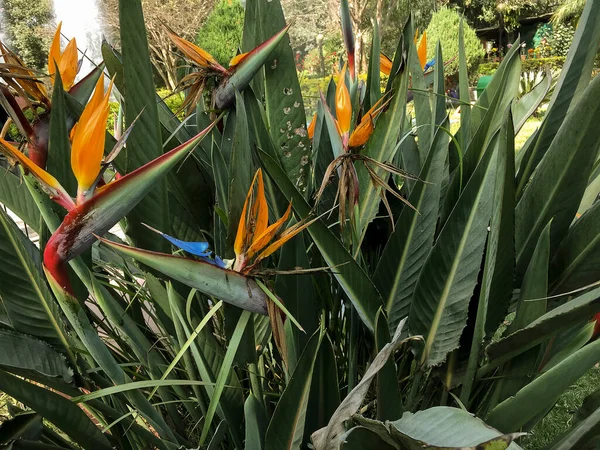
{"x":570,"y":313}
{"x":15,"y":196}
{"x":568,"y":92}
{"x":373,"y":88}
{"x":226,"y":367}
{"x":529,"y":103}
{"x":56,"y":409}
{"x":241,"y":170}
{"x":381,"y":147}
{"x":226,"y":285}
{"x":286,"y":428}
{"x":465,"y":95}
{"x":560,"y":179}
{"x":575,"y":262}
{"x":256,"y":423}
{"x":389,"y":400}
{"x":407,"y":248}
{"x":283,"y":99}
{"x":19,"y":351}
{"x":448,"y":278}
{"x":444,"y":428}
{"x":353,"y":280}
{"x":144,"y":142}
{"x":329,"y":437}
{"x":22,"y":426}
{"x":59,"y":147}
{"x":361,"y":438}
{"x":25,"y":296}
{"x":542,"y":393}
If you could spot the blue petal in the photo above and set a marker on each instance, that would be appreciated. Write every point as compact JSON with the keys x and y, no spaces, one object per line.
{"x":428,"y":65}
{"x":195,"y":248}
{"x":219,"y":262}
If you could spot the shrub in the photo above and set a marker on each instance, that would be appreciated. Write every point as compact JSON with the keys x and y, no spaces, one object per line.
{"x":444,"y":28}
{"x":221,"y":34}
{"x":555,"y":64}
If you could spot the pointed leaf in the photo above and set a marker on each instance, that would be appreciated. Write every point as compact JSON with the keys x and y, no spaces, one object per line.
{"x":15,"y":196}
{"x":407,"y":248}
{"x":389,"y":400}
{"x":226,"y":285}
{"x":256,"y":423}
{"x":57,"y":409}
{"x":560,"y":179}
{"x":286,"y":428}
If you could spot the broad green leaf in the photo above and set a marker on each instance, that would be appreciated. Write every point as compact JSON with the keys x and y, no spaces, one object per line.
{"x":59,"y":147}
{"x":542,"y":393}
{"x":567,"y":343}
{"x":516,"y":373}
{"x":361,"y":438}
{"x":569,"y":90}
{"x":407,"y":248}
{"x":144,"y":143}
{"x":24,"y":294}
{"x":439,"y":92}
{"x":15,"y":196}
{"x":226,"y":285}
{"x":226,"y":368}
{"x":389,"y":400}
{"x":353,"y":280}
{"x":286,"y":429}
{"x":560,"y":180}
{"x":570,"y":313}
{"x":19,"y":351}
{"x":324,"y":396}
{"x":22,"y":426}
{"x":298,"y":294}
{"x":529,"y":103}
{"x":442,"y":428}
{"x":67,"y":416}
{"x":448,"y":278}
{"x":256,"y":422}
{"x":373,"y":86}
{"x":241,"y":170}
{"x":575,"y":262}
{"x":463,"y":87}
{"x":329,"y":437}
{"x":283,"y":99}
{"x":381,"y":147}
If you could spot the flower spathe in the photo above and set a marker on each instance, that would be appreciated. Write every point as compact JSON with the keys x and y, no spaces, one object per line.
{"x":66,"y":61}
{"x":88,"y":138}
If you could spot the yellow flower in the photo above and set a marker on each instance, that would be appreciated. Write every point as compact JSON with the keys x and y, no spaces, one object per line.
{"x":88,"y":137}
{"x":422,"y":48}
{"x":343,"y":105}
{"x":385,"y":64}
{"x":254,"y":233}
{"x":311,"y":127}
{"x":66,"y":61}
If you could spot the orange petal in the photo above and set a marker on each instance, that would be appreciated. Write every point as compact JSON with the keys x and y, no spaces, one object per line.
{"x":68,"y":64}
{"x":343,"y":106}
{"x":268,"y":234}
{"x":88,"y":137}
{"x":362,"y":132}
{"x":48,"y":182}
{"x":255,"y":215}
{"x":54,"y":53}
{"x":285,"y":236}
{"x":195,"y":53}
{"x":311,"y":127}
{"x":237,"y":59}
{"x":385,"y":64}
{"x":422,"y":50}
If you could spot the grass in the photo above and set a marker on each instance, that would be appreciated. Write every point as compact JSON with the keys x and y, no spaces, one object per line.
{"x":560,"y":417}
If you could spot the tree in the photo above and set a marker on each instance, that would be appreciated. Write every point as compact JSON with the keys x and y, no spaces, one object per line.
{"x":221,"y":34}
{"x":27,"y":29}
{"x":444,"y":27}
{"x":183,"y":16}
{"x":569,"y":10}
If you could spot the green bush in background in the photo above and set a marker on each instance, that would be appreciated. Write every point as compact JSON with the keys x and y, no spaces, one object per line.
{"x":444,"y":28}
{"x":221,"y":35}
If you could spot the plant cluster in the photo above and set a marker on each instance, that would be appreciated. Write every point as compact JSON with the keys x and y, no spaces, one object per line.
{"x":368,"y":280}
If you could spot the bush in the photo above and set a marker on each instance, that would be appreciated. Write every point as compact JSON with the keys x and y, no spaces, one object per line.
{"x":221,"y":35}
{"x":444,"y":27}
{"x":554,"y":63}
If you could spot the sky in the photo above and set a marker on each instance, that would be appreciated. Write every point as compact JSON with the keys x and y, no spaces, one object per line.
{"x":80,"y":20}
